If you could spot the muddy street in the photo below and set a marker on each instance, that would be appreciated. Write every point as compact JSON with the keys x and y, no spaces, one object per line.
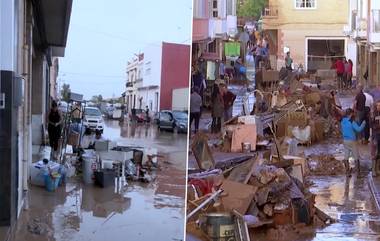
{"x":85,"y":212}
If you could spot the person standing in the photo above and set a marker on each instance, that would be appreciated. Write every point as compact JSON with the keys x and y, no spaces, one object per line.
{"x":367,"y":115}
{"x":221,"y":70}
{"x":349,"y":74}
{"x":346,"y":73}
{"x":228,"y":100}
{"x":217,"y":109}
{"x":339,"y":66}
{"x":359,"y":105}
{"x":349,"y":129}
{"x":195,"y":108}
{"x":288,"y":62}
{"x":54,"y":128}
{"x":375,"y":124}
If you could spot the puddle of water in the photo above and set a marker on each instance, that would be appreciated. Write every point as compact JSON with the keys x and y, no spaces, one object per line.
{"x":153,"y":211}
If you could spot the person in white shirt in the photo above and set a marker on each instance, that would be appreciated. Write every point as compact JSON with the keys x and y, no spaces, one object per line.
{"x":368,"y":110}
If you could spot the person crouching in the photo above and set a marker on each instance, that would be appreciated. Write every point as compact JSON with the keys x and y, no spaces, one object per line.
{"x":349,"y":129}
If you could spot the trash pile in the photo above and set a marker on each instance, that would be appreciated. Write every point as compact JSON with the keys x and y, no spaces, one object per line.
{"x":256,"y":194}
{"x":325,"y":165}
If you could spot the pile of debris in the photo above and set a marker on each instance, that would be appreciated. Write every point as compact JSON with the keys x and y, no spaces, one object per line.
{"x":325,"y":165}
{"x":255,"y":194}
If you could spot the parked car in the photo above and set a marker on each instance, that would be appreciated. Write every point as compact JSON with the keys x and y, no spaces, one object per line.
{"x":175,"y":121}
{"x":93,"y":119}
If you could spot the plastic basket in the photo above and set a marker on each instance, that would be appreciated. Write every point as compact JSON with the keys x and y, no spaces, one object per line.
{"x":51,"y":183}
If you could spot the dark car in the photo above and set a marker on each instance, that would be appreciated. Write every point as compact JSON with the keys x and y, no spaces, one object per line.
{"x":175,"y":121}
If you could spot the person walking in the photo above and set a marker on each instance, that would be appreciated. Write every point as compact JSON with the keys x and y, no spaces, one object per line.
{"x":367,"y":115}
{"x":54,"y":128}
{"x":349,"y":129}
{"x":228,"y":100}
{"x":195,"y":108}
{"x":375,"y":142}
{"x":217,"y":109}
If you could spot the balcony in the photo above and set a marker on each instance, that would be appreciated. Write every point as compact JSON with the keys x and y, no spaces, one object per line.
{"x":270,"y":12}
{"x":200,"y":29}
{"x":374,"y":38}
{"x":222,"y":27}
{"x":361,"y":31}
{"x":129,"y":84}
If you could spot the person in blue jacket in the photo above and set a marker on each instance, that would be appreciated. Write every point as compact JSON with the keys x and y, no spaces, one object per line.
{"x":349,"y":130}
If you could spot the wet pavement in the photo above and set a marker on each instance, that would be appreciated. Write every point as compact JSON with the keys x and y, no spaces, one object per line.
{"x":153,"y":211}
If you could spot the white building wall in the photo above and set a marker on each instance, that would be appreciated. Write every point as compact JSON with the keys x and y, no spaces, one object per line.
{"x":152,"y":65}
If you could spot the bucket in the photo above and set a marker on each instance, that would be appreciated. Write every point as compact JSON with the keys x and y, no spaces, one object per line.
{"x":51,"y":183}
{"x":88,"y":172}
{"x":219,"y":226}
{"x":246,"y":147}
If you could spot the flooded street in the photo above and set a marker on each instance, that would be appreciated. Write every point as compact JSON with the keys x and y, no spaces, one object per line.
{"x":152,"y":211}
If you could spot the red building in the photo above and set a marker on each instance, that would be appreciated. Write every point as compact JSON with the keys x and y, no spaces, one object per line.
{"x":175,"y":72}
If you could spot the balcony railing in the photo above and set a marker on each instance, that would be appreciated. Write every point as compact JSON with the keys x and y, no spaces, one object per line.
{"x":129,"y":84}
{"x":270,"y":12}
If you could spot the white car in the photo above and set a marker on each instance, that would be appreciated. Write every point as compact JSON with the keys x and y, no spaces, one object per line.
{"x":93,"y":119}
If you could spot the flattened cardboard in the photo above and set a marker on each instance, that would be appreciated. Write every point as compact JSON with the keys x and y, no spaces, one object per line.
{"x":238,"y":196}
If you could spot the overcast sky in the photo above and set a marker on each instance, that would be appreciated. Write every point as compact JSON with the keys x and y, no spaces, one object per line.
{"x":105,"y":34}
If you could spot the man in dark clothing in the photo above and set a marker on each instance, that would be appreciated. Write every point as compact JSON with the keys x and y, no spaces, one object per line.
{"x":360,"y":105}
{"x":228,"y":99}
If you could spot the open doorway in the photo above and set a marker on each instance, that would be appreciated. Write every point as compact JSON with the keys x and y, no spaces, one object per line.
{"x":321,"y":52}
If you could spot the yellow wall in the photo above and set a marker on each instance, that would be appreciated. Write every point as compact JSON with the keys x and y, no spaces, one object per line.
{"x":295,"y":25}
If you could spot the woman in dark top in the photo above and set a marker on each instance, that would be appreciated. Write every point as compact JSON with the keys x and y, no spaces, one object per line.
{"x":54,"y":127}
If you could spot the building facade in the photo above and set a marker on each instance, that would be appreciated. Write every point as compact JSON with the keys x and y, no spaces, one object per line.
{"x":364,"y":28}
{"x":32,"y":34}
{"x":175,"y":75}
{"x":312,"y":30}
{"x":213,"y":22}
{"x":135,"y":69}
{"x":154,"y":74}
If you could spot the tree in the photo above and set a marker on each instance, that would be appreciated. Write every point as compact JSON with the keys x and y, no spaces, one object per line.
{"x":65,"y":92}
{"x":251,"y":8}
{"x":97,"y":98}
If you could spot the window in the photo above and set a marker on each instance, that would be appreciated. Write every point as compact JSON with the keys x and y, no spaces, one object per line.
{"x":215,"y":8}
{"x":212,"y":47}
{"x":230,"y":8}
{"x":376,"y":20}
{"x":300,"y":4}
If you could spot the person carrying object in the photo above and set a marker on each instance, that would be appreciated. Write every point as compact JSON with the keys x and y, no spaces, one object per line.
{"x":349,"y":129}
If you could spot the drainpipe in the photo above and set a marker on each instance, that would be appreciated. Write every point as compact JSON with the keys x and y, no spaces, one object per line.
{"x":27,"y":66}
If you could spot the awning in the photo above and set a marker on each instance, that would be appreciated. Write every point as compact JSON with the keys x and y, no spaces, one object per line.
{"x":53,"y":19}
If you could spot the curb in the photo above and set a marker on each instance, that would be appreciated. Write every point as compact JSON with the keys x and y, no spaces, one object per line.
{"x":375,"y":193}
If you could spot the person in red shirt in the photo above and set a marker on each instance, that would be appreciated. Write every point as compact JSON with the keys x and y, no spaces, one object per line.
{"x":339,"y":66}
